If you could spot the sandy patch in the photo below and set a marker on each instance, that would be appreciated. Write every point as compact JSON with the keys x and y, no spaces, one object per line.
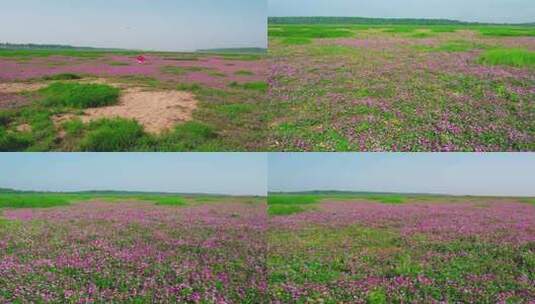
{"x":24,"y":128}
{"x":19,"y":87}
{"x":157,"y":111}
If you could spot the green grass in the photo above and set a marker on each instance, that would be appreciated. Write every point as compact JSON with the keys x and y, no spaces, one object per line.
{"x":388,"y":199}
{"x":296,"y":41}
{"x":452,"y":47}
{"x":189,"y":136}
{"x":176,"y":70}
{"x":332,"y":50}
{"x":13,"y":142}
{"x":510,"y":57}
{"x":62,"y":76}
{"x":243,"y":73}
{"x":507,"y":31}
{"x":32,"y":201}
{"x":277,"y":199}
{"x":276,"y":210}
{"x":309,"y":31}
{"x":48,"y":200}
{"x":112,"y":135}
{"x":259,"y":86}
{"x":78,"y":95}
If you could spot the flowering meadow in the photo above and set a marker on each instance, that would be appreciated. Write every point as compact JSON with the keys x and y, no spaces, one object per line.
{"x":207,"y":101}
{"x":402,"y":250}
{"x":401,"y":88}
{"x":208,"y":250}
{"x":327,"y":249}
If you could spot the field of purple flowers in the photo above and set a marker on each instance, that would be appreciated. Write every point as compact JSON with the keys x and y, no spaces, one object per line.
{"x":134,"y":252}
{"x":168,"y":102}
{"x":421,"y":250}
{"x":396,"y":88}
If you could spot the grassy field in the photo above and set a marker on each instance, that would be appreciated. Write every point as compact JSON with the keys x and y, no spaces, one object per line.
{"x":131,"y":248}
{"x":17,"y":200}
{"x":383,"y":248}
{"x":400,"y":87}
{"x":47,"y":97}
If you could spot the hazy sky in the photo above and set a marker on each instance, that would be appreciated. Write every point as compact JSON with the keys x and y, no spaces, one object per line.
{"x":222,"y":173}
{"x":168,"y":25}
{"x":509,"y":11}
{"x":447,"y":173}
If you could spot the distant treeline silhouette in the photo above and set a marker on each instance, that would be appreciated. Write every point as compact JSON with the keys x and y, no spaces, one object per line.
{"x":364,"y":20}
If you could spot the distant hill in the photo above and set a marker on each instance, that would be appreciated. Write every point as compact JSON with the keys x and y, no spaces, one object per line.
{"x":108,"y":192}
{"x":33,"y":46}
{"x":356,"y":193}
{"x":378,"y":21}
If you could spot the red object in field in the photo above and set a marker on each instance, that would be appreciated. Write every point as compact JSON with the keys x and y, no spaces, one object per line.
{"x":141,"y":59}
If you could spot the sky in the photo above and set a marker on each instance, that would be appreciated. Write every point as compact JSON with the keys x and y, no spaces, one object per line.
{"x":499,"y":11}
{"x":500,"y":174}
{"x":164,"y":25}
{"x":214,"y":173}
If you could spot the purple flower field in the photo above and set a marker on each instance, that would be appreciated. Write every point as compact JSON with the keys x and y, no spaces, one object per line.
{"x":168,"y":102}
{"x":98,"y":252}
{"x":422,"y":251}
{"x":402,"y":89}
{"x":212,"y":71}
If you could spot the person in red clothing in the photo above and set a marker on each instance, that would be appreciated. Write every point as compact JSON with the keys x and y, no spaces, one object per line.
{"x":141,"y":59}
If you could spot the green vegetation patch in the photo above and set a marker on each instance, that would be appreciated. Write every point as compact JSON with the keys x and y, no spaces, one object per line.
{"x":189,"y":136}
{"x":112,"y":135}
{"x":78,"y":95}
{"x":388,"y":199}
{"x":177,"y":70}
{"x":8,"y":200}
{"x":511,"y":57}
{"x":296,"y":41}
{"x":260,"y":86}
{"x":243,"y":73}
{"x":276,"y":210}
{"x":13,"y":142}
{"x":507,"y":31}
{"x":309,"y":31}
{"x":277,"y":199}
{"x":451,"y":47}
{"x":62,"y":76}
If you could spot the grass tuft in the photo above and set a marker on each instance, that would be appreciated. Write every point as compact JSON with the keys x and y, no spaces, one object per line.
{"x":78,"y":95}
{"x":112,"y":135}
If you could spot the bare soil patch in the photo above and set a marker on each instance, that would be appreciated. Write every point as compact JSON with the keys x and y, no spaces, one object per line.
{"x":19,"y":87}
{"x":157,"y":111}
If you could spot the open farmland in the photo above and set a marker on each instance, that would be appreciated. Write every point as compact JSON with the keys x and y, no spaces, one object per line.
{"x":400,"y":87}
{"x":91,"y":100}
{"x":390,"y":248}
{"x":142,"y":248}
